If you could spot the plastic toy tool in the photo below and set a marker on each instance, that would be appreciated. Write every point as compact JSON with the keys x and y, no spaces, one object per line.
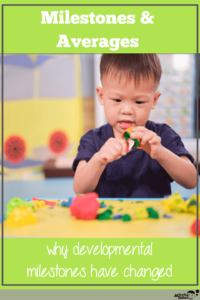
{"x":132,"y":143}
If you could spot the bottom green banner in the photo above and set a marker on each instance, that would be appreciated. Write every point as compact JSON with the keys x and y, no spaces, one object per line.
{"x":99,"y":261}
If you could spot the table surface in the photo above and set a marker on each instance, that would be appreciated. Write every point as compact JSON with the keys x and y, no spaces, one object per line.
{"x":57,"y":222}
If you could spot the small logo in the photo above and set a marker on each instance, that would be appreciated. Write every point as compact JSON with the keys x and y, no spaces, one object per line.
{"x":189,"y":295}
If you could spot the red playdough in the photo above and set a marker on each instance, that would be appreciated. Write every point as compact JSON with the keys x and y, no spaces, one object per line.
{"x":85,"y":207}
{"x":193,"y":227}
{"x":51,"y":203}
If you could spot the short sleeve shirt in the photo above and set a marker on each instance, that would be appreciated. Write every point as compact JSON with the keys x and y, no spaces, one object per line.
{"x":135,"y":175}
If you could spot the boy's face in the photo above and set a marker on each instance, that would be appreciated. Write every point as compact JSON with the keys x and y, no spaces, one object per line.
{"x":126,"y":104}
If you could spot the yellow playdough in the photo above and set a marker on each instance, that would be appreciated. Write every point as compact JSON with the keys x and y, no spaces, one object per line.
{"x":141,"y":213}
{"x":39,"y":203}
{"x":20,"y":216}
{"x":175,"y":203}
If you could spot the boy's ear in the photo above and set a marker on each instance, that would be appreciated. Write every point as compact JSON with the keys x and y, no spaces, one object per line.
{"x":99,"y":91}
{"x":155,"y":100}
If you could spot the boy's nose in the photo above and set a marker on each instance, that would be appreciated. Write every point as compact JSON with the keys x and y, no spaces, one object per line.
{"x":127,"y":110}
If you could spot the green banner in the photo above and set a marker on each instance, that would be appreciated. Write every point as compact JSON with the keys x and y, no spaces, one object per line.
{"x":100,"y":261}
{"x":100,"y":29}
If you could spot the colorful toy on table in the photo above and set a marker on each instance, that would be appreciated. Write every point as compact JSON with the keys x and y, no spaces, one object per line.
{"x":117,"y":217}
{"x":106,"y":215}
{"x":103,"y":205}
{"x":19,"y":213}
{"x":145,"y":213}
{"x":132,"y":143}
{"x":141,"y":213}
{"x":192,"y":204}
{"x":177,"y":203}
{"x":67,"y":203}
{"x":20,"y":216}
{"x":51,"y":203}
{"x":126,"y":218}
{"x":152,"y":213}
{"x":174,"y":203}
{"x":193,"y":227}
{"x":15,"y":202}
{"x":39,"y":203}
{"x":85,"y":206}
{"x":167,"y":216}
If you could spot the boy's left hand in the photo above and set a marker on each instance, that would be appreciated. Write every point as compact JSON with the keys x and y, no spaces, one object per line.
{"x":150,"y":140}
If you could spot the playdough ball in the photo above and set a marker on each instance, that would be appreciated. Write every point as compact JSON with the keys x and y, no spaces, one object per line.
{"x":15,"y":202}
{"x":21,"y":216}
{"x":126,"y":218}
{"x":141,"y":213}
{"x":85,"y":207}
{"x":193,"y":227}
{"x":152,"y":213}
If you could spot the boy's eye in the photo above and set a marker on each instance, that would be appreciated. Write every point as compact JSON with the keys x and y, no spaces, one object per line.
{"x":116,"y":100}
{"x":139,"y":102}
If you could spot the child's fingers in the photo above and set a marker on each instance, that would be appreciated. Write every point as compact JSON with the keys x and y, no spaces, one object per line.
{"x":124,"y":146}
{"x":115,"y":150}
{"x":137,"y":135}
{"x":147,"y":137}
{"x":106,"y":156}
{"x":155,"y":140}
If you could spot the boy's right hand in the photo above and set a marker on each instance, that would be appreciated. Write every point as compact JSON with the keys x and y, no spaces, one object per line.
{"x":112,"y":150}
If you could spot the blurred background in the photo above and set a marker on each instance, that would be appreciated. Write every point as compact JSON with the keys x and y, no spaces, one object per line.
{"x":50,"y":102}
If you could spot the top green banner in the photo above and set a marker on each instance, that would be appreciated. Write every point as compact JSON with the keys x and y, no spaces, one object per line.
{"x":99,"y":29}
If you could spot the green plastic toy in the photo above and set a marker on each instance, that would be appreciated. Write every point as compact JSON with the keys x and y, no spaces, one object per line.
{"x":15,"y":202}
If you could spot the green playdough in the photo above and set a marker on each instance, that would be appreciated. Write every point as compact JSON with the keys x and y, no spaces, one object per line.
{"x":120,"y":200}
{"x":105,"y":215}
{"x":152,"y":213}
{"x":193,"y":202}
{"x":139,"y":202}
{"x":126,"y":218}
{"x":111,"y":207}
{"x":127,"y":137}
{"x":15,"y":202}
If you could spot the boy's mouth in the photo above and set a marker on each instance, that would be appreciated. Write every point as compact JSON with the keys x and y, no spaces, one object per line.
{"x":124,"y":124}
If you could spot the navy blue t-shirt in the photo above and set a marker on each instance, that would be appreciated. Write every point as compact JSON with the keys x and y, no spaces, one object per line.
{"x":135,"y":175}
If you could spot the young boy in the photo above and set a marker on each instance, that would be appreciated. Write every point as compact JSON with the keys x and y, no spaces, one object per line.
{"x":128,"y":93}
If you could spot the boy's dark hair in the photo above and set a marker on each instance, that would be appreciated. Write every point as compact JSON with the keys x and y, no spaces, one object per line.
{"x":133,"y":66}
